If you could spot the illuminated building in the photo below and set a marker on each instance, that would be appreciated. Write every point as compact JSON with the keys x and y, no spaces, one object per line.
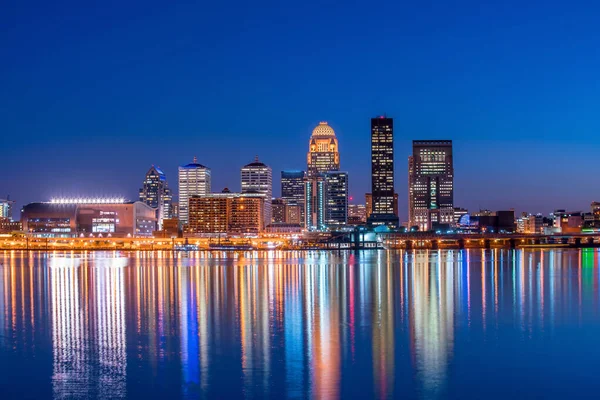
{"x":323,"y":161}
{"x":323,"y":155}
{"x":247,"y":213}
{"x":6,"y":206}
{"x":194,"y":180}
{"x":568,"y":222}
{"x":596,"y":210}
{"x":8,"y":226}
{"x":533,"y":223}
{"x":292,"y":192}
{"x":382,"y":173}
{"x":156,"y":193}
{"x":89,"y":217}
{"x":314,"y":203}
{"x":357,"y":214}
{"x":170,"y":229}
{"x":336,"y":198}
{"x":458,"y":213}
{"x":369,"y":204}
{"x":209,"y":214}
{"x":226,"y":212}
{"x":294,"y":213}
{"x":258,"y":178}
{"x":431,"y":184}
{"x":279,"y":211}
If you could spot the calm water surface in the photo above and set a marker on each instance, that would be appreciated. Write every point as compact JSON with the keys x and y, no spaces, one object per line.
{"x":425,"y":324}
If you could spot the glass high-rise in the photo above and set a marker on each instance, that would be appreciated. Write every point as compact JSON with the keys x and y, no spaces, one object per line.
{"x":431,"y":184}
{"x":382,"y":172}
{"x":292,"y":190}
{"x":155,"y":192}
{"x":335,"y":186}
{"x":257,"y":177}
{"x":194,"y":180}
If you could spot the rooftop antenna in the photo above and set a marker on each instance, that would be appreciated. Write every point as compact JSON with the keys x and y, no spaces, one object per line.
{"x":195,"y":160}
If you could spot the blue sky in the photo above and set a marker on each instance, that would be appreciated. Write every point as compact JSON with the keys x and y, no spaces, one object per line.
{"x":93,"y":94}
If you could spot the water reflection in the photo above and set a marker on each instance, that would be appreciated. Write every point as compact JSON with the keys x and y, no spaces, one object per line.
{"x":295,"y":324}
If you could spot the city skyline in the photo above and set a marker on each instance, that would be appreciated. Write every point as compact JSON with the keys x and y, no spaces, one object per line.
{"x":498,"y":84}
{"x":401,"y":184}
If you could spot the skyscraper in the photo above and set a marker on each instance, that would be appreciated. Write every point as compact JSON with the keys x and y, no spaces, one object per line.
{"x":194,"y":180}
{"x":431,"y":184}
{"x":292,"y":186}
{"x":292,"y":190}
{"x":155,"y":192}
{"x":336,"y":198}
{"x":258,"y":178}
{"x":323,"y":155}
{"x":382,"y":172}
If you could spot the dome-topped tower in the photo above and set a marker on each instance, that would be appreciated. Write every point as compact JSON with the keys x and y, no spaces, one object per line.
{"x":323,"y":154}
{"x":323,"y":129}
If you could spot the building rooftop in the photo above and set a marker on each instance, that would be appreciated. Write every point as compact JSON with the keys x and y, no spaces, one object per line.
{"x":194,"y":164}
{"x":323,"y":129}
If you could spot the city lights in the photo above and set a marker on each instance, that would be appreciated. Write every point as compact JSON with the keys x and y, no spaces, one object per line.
{"x":88,"y":200}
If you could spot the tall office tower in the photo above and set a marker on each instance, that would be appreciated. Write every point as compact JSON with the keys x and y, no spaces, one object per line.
{"x":369,"y":204}
{"x":258,"y":178}
{"x":292,"y":192}
{"x":431,"y":184}
{"x":292,"y":186}
{"x":382,"y":172}
{"x":323,"y":155}
{"x":314,"y":203}
{"x":155,"y":192}
{"x":194,"y":180}
{"x":336,"y":198}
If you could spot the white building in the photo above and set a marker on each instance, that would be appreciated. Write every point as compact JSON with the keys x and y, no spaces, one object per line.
{"x":194,"y":180}
{"x":258,"y":178}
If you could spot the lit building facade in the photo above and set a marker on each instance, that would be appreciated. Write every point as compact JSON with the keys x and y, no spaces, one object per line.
{"x":258,"y":178}
{"x":194,"y":180}
{"x":226,"y":212}
{"x":533,"y":224}
{"x":292,"y":192}
{"x":247,"y":214}
{"x":279,"y":211}
{"x":6,"y":207}
{"x":294,"y":213}
{"x":323,"y":161}
{"x":336,"y":198}
{"x":155,"y":192}
{"x":210,"y":213}
{"x":357,"y":214}
{"x":93,"y":217}
{"x":382,"y":173}
{"x":596,"y":209}
{"x":314,"y":203}
{"x":369,"y":204}
{"x":323,"y":154}
{"x":458,"y":214}
{"x":431,"y":184}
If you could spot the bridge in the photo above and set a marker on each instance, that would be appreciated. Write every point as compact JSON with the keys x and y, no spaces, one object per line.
{"x":363,"y":240}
